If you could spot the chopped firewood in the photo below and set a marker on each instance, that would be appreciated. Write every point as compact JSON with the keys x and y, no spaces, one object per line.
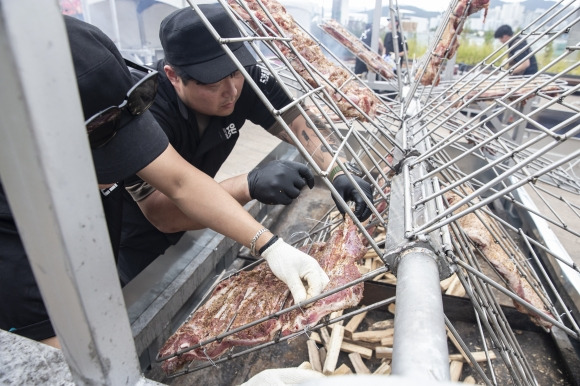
{"x":388,"y":341}
{"x":342,"y":370}
{"x":363,"y":269}
{"x":353,"y":324}
{"x":360,"y":343}
{"x":391,"y":308}
{"x":383,"y":324}
{"x":455,"y":288}
{"x":469,"y":379}
{"x":322,"y":353}
{"x":364,"y":352}
{"x":373,"y":336}
{"x":369,"y":264}
{"x":333,"y":349}
{"x":392,"y":280}
{"x":347,"y":347}
{"x":390,"y":276}
{"x":305,"y":365}
{"x":455,"y":368}
{"x":383,"y":369}
{"x":325,"y":335}
{"x":380,"y":238}
{"x":446,"y":282}
{"x":377,"y":263}
{"x":457,"y":345}
{"x":371,"y":253}
{"x":479,"y":356}
{"x":313,"y":355}
{"x":336,"y":314}
{"x":384,"y":352}
{"x":379,"y":277}
{"x":358,"y":364}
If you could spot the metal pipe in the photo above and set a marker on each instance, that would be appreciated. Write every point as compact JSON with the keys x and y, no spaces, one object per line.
{"x":420,"y":340}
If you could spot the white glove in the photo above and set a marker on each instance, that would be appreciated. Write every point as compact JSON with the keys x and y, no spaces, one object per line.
{"x":280,"y":377}
{"x":292,"y":266}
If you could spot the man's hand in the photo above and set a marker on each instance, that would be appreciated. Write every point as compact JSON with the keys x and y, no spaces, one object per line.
{"x":279,"y":182}
{"x":348,"y":192}
{"x":292,"y":267}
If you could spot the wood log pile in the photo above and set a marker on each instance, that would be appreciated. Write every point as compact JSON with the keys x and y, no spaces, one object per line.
{"x":369,"y":350}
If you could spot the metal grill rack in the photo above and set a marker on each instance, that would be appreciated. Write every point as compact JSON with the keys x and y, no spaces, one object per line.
{"x":466,"y":151}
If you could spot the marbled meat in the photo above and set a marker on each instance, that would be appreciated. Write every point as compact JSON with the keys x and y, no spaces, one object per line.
{"x":477,"y":231}
{"x":255,"y":294}
{"x":356,"y":93}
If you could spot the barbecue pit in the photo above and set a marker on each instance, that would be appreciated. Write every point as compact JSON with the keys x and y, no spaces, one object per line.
{"x":458,"y":138}
{"x":424,"y":142}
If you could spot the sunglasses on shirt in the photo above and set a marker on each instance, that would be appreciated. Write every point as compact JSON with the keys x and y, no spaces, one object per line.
{"x":103,"y":126}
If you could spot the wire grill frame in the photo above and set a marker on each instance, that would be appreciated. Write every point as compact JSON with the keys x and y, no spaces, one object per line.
{"x":423,"y":128}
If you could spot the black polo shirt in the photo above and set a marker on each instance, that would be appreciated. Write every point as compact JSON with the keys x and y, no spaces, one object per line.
{"x":22,"y":310}
{"x":142,"y":242}
{"x":518,"y":53}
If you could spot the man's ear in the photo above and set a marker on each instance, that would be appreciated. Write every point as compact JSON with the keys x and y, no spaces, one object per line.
{"x":171,"y":74}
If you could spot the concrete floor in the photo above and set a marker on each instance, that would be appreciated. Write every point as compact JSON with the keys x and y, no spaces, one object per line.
{"x":253,"y":145}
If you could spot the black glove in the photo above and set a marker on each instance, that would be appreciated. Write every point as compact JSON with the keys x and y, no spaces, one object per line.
{"x":279,"y":182}
{"x":348,"y":192}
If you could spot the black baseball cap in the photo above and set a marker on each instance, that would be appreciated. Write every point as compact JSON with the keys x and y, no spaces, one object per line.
{"x":103,"y":80}
{"x":188,"y":44}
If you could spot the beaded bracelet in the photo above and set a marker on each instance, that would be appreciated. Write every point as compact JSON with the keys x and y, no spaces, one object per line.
{"x":253,"y":242}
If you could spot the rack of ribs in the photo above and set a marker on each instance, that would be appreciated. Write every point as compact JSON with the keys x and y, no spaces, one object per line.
{"x":449,"y":42}
{"x":478,"y":232}
{"x":516,"y":86}
{"x":373,"y":60}
{"x":328,"y":72}
{"x":252,"y":295}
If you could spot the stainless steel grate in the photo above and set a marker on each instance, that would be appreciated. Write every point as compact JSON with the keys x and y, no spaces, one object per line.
{"x":482,"y":185}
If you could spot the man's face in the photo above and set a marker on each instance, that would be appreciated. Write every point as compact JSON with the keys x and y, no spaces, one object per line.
{"x":504,"y":39}
{"x":215,"y":99}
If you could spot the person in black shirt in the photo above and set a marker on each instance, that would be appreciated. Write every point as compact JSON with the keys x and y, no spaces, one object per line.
{"x":517,"y":52}
{"x":202,"y":104}
{"x":389,"y":44}
{"x":125,"y":139}
{"x":359,"y":66}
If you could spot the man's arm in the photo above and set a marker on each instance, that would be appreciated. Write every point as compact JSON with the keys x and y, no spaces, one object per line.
{"x":204,"y":201}
{"x":521,"y":68}
{"x":162,"y":212}
{"x":308,"y":138}
{"x":323,"y":156}
{"x":277,"y":182}
{"x":198,"y":196}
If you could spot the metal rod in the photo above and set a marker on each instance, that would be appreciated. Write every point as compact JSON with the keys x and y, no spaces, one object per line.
{"x":516,"y":298}
{"x":420,"y":341}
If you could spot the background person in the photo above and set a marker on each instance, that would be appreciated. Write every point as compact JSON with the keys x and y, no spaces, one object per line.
{"x":359,"y":66}
{"x":517,"y":52}
{"x":125,"y":139}
{"x":202,"y":104}
{"x":390,"y":46}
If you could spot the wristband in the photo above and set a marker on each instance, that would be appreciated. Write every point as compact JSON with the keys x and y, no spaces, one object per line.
{"x":253,"y":242}
{"x":333,"y":172}
{"x":268,"y":244}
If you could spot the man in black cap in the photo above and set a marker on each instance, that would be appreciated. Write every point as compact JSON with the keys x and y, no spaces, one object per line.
{"x":125,"y":139}
{"x":517,"y":52}
{"x":202,"y":103}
